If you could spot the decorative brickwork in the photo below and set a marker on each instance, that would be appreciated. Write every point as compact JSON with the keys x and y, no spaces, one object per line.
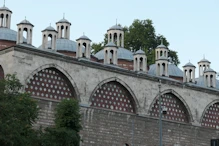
{"x":6,"y":44}
{"x":50,"y":83}
{"x":176,"y":110}
{"x":211,"y":117}
{"x":114,"y":96}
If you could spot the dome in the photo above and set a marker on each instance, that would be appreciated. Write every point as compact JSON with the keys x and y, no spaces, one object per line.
{"x":49,"y":28}
{"x":25,"y":22}
{"x":63,"y":21}
{"x":110,"y":44}
{"x":5,"y":9}
{"x":121,"y":52}
{"x":161,"y":46}
{"x":209,"y":70}
{"x":189,"y":65}
{"x":173,"y":70}
{"x":115,"y":27}
{"x":64,"y":45}
{"x":83,"y":37}
{"x":8,"y":34}
{"x":140,"y":51}
{"x":204,"y":60}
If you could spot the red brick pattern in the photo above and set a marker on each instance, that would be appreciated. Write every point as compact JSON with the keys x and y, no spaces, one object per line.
{"x":6,"y":44}
{"x":114,"y":96}
{"x":211,"y":117}
{"x":50,"y":83}
{"x":176,"y":111}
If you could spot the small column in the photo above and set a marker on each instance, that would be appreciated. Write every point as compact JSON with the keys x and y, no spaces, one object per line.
{"x":118,"y":41}
{"x":193,"y":76}
{"x":108,"y":38}
{"x":166,"y":69}
{"x":122,"y":40}
{"x":21,"y":36}
{"x":138,"y":64}
{"x":161,"y":70}
{"x":112,"y":37}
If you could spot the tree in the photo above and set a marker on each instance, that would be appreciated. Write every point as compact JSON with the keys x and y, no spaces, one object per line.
{"x":18,"y":112}
{"x":67,"y":125}
{"x":141,"y":34}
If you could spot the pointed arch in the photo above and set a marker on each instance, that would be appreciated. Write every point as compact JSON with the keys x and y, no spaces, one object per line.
{"x":210,"y":115}
{"x":176,"y":107}
{"x":115,"y":94}
{"x":56,"y":73}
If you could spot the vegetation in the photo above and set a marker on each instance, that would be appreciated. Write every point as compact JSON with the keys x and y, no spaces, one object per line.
{"x":19,"y":112}
{"x":141,"y":34}
{"x":67,"y":126}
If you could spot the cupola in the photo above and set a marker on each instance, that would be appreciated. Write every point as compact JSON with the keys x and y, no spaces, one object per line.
{"x":49,"y":38}
{"x":110,"y":54}
{"x":161,"y":56}
{"x":116,"y":35}
{"x":63,"y":28}
{"x":203,"y":65}
{"x":210,"y":77}
{"x":5,"y":17}
{"x":25,"y":26}
{"x":83,"y":42}
{"x":140,"y":61}
{"x":189,"y":73}
{"x":161,"y":51}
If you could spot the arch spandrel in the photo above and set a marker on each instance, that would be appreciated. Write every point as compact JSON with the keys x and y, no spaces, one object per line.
{"x":177,"y":109}
{"x":53,"y":80}
{"x":115,"y":95}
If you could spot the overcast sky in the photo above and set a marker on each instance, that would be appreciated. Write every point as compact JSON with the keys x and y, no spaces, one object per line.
{"x":190,"y":26}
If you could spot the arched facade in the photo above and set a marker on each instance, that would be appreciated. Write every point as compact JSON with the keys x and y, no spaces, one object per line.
{"x":112,"y":94}
{"x":210,"y":116}
{"x":50,"y":83}
{"x":177,"y":110}
{"x":65,"y":78}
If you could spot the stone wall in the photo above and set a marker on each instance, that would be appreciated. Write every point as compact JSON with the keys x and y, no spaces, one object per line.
{"x":108,"y":128}
{"x":103,"y":126}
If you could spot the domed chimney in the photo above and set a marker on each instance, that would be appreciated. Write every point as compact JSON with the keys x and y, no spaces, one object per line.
{"x":63,"y":28}
{"x":5,"y":17}
{"x":203,"y":65}
{"x":51,"y":33}
{"x":116,"y":35}
{"x":161,"y":56}
{"x":83,"y":42}
{"x":25,"y":25}
{"x":140,"y":61}
{"x":110,"y":54}
{"x":189,"y":73}
{"x":210,"y":78}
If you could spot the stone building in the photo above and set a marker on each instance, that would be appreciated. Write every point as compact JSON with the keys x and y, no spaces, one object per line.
{"x":117,"y":91}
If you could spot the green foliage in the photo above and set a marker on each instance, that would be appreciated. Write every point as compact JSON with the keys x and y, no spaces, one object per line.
{"x":67,"y":126}
{"x":18,"y":112}
{"x":97,"y":47}
{"x":141,"y":34}
{"x":67,"y":115}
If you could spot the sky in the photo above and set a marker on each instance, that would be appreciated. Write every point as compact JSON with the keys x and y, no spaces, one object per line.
{"x":190,"y":26}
